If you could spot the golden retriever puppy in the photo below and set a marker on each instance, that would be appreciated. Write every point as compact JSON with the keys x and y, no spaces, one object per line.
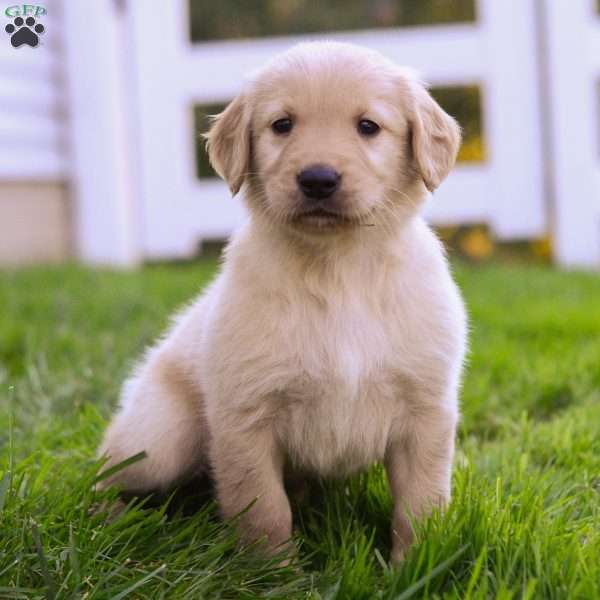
{"x":334,"y":335}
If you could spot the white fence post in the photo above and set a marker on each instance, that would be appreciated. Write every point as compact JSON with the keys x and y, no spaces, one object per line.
{"x":573,"y":30}
{"x":511,"y":118}
{"x":101,"y":136}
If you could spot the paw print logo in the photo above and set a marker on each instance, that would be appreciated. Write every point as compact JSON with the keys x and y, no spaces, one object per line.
{"x":24,"y":31}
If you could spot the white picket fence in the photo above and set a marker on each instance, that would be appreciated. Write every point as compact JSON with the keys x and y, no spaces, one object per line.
{"x":135,"y":76}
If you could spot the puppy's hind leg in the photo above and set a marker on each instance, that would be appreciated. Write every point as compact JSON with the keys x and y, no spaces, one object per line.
{"x":161,"y":414}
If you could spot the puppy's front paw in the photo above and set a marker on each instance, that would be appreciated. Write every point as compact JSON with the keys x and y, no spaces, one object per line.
{"x":402,"y":538}
{"x":397,"y":555}
{"x":111,"y":510}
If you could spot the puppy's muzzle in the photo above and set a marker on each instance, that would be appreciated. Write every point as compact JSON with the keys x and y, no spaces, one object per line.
{"x":318,"y":182}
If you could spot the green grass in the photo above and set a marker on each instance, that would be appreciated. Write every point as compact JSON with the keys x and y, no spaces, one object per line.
{"x":524,"y":522}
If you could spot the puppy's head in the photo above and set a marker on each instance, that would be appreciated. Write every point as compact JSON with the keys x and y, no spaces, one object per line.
{"x":329,"y":137}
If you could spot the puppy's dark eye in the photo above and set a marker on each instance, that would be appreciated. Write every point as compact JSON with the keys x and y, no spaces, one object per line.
{"x":282,"y":126}
{"x":367,"y":127}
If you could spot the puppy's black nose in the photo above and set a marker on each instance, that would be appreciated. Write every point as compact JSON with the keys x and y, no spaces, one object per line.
{"x":318,"y":181}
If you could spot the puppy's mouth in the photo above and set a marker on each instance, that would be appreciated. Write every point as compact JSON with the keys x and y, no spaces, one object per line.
{"x":322,"y":218}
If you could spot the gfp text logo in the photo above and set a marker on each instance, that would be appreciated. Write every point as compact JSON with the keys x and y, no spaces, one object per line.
{"x":24,"y":28}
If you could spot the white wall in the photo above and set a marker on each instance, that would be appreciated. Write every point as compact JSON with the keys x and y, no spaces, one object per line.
{"x":32,"y":104}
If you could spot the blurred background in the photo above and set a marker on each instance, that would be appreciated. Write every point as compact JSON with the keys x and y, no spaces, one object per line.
{"x":100,"y":157}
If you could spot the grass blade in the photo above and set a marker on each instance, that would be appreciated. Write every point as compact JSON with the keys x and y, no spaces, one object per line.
{"x":139,"y":583}
{"x":74,"y":556}
{"x":120,"y":466}
{"x":3,"y":489}
{"x":50,"y":590}
{"x":15,"y":592}
{"x":410,"y":591}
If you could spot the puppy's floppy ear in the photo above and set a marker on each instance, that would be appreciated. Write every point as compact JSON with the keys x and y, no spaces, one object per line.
{"x":435,"y":138}
{"x":228,"y":143}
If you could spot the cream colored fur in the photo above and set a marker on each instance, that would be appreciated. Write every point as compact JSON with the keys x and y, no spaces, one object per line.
{"x":321,"y":347}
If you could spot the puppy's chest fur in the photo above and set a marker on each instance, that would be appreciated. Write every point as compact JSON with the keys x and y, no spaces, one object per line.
{"x":330,"y":427}
{"x":339,"y":389}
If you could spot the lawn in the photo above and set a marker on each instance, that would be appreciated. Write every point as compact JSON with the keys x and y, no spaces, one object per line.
{"x":524,"y":521}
